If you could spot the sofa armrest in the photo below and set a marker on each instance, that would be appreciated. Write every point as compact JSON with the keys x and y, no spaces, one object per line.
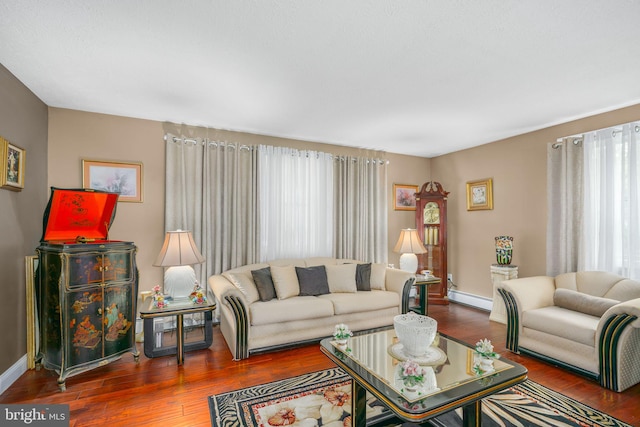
{"x":400,"y":282}
{"x":530,"y":292}
{"x":395,"y":279}
{"x":618,"y":336}
{"x":222,"y":288}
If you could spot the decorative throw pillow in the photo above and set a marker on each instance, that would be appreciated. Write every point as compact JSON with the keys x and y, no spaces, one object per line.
{"x":312,"y":280}
{"x":342,"y":278}
{"x":363,"y":277}
{"x":581,"y":302}
{"x":378,"y":274}
{"x":285,"y":281}
{"x":264,"y":283}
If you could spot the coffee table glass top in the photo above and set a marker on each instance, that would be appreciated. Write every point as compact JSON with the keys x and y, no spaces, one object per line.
{"x":183,"y":304}
{"x":453,"y":369}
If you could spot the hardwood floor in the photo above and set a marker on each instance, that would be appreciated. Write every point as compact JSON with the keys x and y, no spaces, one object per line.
{"x":158,"y":392}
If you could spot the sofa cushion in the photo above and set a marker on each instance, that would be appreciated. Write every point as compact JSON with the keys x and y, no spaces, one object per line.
{"x":244,"y":282}
{"x":312,"y":280}
{"x":264,"y":283}
{"x":378,"y":274}
{"x":363,"y":277}
{"x":345,"y":303}
{"x":291,"y":309}
{"x":584,"y":303}
{"x":342,"y":278}
{"x":569,"y":324}
{"x":285,"y":281}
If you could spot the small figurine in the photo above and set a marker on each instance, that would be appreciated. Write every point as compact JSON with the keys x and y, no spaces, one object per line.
{"x":198,"y":296}
{"x":158,"y":298}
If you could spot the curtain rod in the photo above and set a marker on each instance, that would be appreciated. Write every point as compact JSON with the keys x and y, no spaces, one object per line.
{"x":614,"y":130}
{"x":206,"y":141}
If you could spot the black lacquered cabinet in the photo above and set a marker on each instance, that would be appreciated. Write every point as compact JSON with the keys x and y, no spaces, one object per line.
{"x":86,"y":289}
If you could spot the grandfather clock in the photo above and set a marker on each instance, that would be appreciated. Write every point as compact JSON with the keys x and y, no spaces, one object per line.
{"x":431,"y":223}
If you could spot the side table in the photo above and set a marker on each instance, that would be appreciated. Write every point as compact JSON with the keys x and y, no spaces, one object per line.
{"x":177,"y":307}
{"x":422,"y":283}
{"x":500,"y":273}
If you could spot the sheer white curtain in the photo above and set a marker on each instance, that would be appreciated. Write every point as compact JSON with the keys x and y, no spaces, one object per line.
{"x":295,"y":203}
{"x":361,"y":209}
{"x":612,"y":195}
{"x":211,"y":190}
{"x":564,"y":205}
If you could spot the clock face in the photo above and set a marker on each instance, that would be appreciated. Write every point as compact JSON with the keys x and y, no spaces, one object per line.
{"x":431,"y":213}
{"x":479,"y":195}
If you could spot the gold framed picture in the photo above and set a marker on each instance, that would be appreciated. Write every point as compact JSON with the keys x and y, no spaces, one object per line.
{"x":12,"y":168}
{"x":124,"y":178}
{"x":404,"y":197}
{"x":480,"y":195}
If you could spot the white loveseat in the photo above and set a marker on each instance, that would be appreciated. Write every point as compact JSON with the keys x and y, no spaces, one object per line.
{"x":588,"y":322}
{"x":305,"y":306}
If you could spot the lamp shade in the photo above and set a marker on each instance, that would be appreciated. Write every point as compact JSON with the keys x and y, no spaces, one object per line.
{"x":178,"y":249}
{"x":409,"y":242}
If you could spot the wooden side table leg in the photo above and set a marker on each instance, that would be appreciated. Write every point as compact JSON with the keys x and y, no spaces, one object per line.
{"x":180,"y":338}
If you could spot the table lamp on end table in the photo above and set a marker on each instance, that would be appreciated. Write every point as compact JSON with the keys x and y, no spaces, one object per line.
{"x":409,"y":245}
{"x":179,"y":252}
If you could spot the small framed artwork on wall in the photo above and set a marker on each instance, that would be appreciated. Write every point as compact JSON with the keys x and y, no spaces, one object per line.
{"x":124,"y":178}
{"x":404,"y":197}
{"x":480,"y":195}
{"x":13,"y":164}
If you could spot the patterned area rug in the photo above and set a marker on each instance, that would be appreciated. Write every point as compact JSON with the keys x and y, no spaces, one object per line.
{"x":324,"y":399}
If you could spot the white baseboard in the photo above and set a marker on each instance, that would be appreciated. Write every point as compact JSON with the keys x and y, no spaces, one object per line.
{"x":482,"y":303}
{"x":10,"y":376}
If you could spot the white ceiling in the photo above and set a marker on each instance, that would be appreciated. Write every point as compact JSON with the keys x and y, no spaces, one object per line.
{"x":418,"y":77}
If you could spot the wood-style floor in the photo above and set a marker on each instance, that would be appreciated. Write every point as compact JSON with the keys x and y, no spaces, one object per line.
{"x":158,"y":392}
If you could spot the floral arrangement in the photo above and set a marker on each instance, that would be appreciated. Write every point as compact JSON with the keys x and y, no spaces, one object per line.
{"x":411,"y":373}
{"x":158,"y":298}
{"x":198,"y":296}
{"x":342,"y":332}
{"x":484,"y":348}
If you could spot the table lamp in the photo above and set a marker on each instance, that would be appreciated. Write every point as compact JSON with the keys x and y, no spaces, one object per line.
{"x":179,"y":252}
{"x":409,"y":245}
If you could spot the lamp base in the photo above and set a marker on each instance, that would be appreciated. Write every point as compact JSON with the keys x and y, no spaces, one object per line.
{"x":409,"y":262}
{"x":179,"y":281}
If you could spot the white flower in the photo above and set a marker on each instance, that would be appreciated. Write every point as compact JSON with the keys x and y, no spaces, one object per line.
{"x":342,"y":332}
{"x":485,"y":348}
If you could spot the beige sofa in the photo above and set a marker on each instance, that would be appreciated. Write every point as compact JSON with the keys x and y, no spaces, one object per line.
{"x":305,"y":306}
{"x":588,"y":322}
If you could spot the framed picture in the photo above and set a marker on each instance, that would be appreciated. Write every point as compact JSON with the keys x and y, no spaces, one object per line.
{"x":124,"y":178}
{"x":480,"y":195}
{"x":12,"y":169}
{"x":404,"y":197}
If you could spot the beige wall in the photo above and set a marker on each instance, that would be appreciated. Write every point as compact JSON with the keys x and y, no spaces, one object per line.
{"x":518,"y":168}
{"x":76,"y":135}
{"x":23,"y":121}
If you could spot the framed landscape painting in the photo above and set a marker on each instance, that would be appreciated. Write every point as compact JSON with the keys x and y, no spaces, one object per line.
{"x":404,"y":197}
{"x":124,"y":178}
{"x":12,"y":166}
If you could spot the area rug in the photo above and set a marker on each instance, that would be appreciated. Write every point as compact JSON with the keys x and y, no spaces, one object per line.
{"x":324,"y":399}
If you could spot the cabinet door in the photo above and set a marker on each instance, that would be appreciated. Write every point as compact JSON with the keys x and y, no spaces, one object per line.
{"x":119,"y":318}
{"x":117,"y":266}
{"x":84,"y":269}
{"x":84,"y":325}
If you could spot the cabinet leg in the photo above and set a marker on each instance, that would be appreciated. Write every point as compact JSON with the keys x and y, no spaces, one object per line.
{"x":62,"y":384}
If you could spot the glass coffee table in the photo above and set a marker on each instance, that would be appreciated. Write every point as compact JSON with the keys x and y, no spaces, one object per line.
{"x":454,"y":378}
